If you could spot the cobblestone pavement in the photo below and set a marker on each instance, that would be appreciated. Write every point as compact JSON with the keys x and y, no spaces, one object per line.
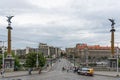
{"x":56,"y":74}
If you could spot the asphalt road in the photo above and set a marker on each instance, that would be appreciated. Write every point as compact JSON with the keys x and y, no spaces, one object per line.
{"x":56,"y":73}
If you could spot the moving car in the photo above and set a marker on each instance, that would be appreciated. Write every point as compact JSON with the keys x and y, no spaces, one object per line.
{"x":86,"y":71}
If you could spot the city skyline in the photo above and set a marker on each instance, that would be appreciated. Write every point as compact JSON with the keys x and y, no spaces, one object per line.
{"x":60,"y":23}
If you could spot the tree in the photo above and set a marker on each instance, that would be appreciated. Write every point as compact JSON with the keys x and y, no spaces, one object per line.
{"x":32,"y":57}
{"x":119,"y":62}
{"x":17,"y":62}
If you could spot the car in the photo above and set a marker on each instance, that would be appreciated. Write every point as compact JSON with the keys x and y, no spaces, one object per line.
{"x":86,"y":71}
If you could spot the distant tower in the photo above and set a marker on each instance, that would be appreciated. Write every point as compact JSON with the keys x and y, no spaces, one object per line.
{"x":112,"y":36}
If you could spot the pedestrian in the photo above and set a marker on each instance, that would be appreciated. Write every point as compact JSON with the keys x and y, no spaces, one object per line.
{"x":39,"y":70}
{"x":63,"y":68}
{"x":47,"y":65}
{"x":67,"y":69}
{"x":2,"y":73}
{"x":29,"y":71}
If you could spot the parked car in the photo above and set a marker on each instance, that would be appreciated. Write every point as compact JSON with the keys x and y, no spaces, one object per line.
{"x":86,"y":71}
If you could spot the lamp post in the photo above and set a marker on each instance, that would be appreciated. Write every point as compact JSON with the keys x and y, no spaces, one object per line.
{"x":74,"y":58}
{"x":37,"y":63}
{"x":117,"y":56}
{"x":3,"y":63}
{"x":3,"y":60}
{"x":117,"y":59}
{"x":86,"y":56}
{"x":50,"y":54}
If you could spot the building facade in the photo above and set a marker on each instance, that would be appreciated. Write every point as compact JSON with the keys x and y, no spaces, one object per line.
{"x":42,"y":48}
{"x":49,"y":50}
{"x":88,"y":53}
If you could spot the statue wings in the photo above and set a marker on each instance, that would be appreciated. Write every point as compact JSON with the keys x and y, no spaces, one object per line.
{"x":112,"y":21}
{"x":9,"y":19}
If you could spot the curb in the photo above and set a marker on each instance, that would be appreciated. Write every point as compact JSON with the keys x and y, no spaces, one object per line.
{"x":107,"y":75}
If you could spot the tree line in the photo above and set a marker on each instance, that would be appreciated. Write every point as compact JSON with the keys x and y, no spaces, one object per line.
{"x":30,"y":60}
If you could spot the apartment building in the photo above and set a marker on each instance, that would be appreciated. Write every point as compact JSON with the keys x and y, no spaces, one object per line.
{"x":49,"y":50}
{"x":43,"y":48}
{"x":92,"y":53}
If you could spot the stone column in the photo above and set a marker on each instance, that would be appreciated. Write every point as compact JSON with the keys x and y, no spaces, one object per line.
{"x":9,"y":60}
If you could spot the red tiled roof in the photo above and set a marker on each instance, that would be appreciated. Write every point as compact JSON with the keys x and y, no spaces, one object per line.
{"x":94,"y":47}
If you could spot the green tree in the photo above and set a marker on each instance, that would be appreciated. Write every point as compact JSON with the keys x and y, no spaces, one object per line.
{"x":17,"y":62}
{"x":32,"y":57}
{"x":119,"y":62}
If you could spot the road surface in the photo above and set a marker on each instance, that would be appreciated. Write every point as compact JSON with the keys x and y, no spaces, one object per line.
{"x":56,"y":73}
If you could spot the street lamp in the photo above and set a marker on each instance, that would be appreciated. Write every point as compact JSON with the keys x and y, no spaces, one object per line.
{"x":3,"y":57}
{"x":3,"y":63}
{"x":74,"y":58}
{"x":117,"y":58}
{"x":37,"y":63}
{"x":86,"y":56}
{"x":49,"y":53}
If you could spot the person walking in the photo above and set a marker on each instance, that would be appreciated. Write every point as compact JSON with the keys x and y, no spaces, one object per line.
{"x":29,"y":71}
{"x":39,"y":70}
{"x":2,"y":72}
{"x":68,"y":69}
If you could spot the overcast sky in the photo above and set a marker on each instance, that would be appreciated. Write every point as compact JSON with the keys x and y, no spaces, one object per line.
{"x":61,"y":23}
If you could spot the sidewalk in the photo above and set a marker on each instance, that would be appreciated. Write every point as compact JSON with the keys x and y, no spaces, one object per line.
{"x":107,"y":73}
{"x":21,"y":73}
{"x":17,"y":73}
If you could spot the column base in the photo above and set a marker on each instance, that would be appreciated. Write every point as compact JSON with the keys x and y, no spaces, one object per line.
{"x":9,"y":63}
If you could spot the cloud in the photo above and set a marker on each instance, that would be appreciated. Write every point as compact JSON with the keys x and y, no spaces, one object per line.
{"x":59,"y":22}
{"x":50,"y":4}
